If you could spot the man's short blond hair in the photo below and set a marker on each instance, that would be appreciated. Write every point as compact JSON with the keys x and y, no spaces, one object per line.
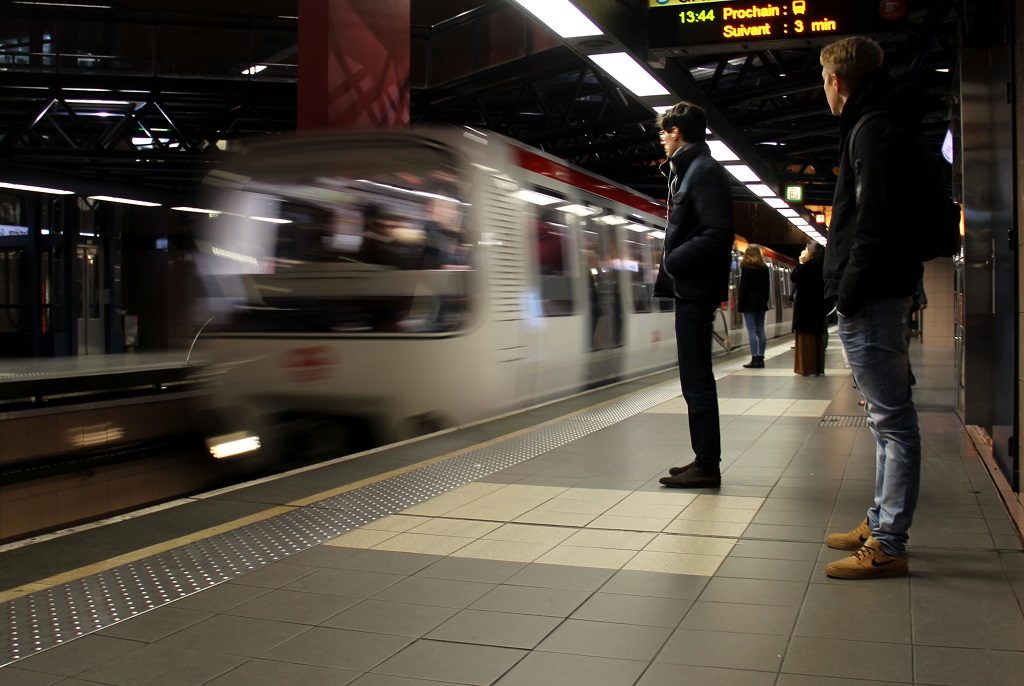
{"x":852,"y":58}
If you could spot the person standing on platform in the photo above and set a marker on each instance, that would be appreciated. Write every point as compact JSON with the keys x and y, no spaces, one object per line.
{"x":753,"y":302}
{"x":809,"y":312}
{"x":871,"y":273}
{"x":694,"y":271}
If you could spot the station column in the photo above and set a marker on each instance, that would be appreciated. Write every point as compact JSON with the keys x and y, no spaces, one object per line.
{"x":353,"y":64}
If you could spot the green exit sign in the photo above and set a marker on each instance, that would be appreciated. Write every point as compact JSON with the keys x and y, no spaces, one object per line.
{"x":794,"y":193}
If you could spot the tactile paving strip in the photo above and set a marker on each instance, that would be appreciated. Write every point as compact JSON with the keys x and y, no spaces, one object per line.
{"x":844,"y":420}
{"x":49,"y":618}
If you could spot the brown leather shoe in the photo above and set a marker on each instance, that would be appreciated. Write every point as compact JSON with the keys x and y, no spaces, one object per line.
{"x":676,"y":471}
{"x":851,"y":540}
{"x":693,"y":478}
{"x":870,"y":562}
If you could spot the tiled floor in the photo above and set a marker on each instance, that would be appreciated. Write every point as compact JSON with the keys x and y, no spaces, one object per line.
{"x":575,"y":567}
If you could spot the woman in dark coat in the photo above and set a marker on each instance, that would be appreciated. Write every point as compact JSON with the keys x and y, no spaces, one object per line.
{"x":753,"y":302}
{"x":809,"y":312}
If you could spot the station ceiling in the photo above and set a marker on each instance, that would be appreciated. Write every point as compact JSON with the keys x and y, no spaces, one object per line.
{"x":144,"y":92}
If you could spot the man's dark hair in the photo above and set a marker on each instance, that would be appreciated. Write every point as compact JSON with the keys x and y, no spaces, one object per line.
{"x":690,"y":119}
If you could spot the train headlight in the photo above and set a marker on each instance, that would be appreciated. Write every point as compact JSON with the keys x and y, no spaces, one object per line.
{"x":232,"y":445}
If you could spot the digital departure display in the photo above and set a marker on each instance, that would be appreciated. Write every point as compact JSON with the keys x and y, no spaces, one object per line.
{"x":681,"y":25}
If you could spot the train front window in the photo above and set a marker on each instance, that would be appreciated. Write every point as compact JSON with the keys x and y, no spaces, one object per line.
{"x":373,"y":241}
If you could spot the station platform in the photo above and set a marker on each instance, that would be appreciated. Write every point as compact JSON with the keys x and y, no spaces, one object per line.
{"x":42,"y":382}
{"x":538,"y":548}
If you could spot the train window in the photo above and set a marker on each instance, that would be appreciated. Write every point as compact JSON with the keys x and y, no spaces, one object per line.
{"x":371,"y":241}
{"x":551,"y":235}
{"x":602,"y":264}
{"x":638,"y":266}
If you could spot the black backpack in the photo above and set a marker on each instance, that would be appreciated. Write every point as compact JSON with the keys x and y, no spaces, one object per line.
{"x":936,"y":226}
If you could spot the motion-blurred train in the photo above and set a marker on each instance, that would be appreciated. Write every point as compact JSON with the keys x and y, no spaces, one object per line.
{"x":389,"y":284}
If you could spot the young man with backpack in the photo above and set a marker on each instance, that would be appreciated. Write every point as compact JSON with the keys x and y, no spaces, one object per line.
{"x":889,"y":204}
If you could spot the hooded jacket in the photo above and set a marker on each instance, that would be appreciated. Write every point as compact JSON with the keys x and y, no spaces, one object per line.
{"x":868,"y":255}
{"x":699,"y":233}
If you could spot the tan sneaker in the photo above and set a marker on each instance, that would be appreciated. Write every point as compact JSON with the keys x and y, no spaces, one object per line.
{"x":870,"y":562}
{"x":851,"y":540}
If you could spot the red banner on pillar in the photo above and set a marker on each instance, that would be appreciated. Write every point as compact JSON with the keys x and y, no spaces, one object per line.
{"x":353,"y":63}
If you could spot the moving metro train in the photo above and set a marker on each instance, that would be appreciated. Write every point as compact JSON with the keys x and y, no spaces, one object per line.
{"x":393,"y":283}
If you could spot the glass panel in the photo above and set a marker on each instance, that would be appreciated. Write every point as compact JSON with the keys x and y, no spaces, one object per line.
{"x":12,"y":309}
{"x":80,"y":283}
{"x":638,"y":266}
{"x":551,"y":242}
{"x":60,"y":295}
{"x":734,"y":290}
{"x":603,"y":264}
{"x":95,"y":282}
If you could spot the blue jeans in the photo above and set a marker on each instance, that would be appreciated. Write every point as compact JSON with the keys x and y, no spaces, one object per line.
{"x":694,"y":322}
{"x":755,"y":331}
{"x":875,"y":340}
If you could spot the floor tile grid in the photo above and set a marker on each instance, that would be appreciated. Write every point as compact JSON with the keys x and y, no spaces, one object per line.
{"x":47,"y":618}
{"x":805,"y":649}
{"x":593,"y":546}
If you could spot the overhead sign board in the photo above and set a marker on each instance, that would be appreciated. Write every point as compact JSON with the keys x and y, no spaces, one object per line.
{"x":688,"y":25}
{"x":793,"y":193}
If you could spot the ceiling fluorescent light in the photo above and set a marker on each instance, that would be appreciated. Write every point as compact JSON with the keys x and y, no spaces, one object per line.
{"x":535,"y":198}
{"x":761,"y":190}
{"x":197,"y":210}
{"x":662,"y":109}
{"x":79,"y":101}
{"x":272,"y":220}
{"x":35,"y":189}
{"x":124,"y":201}
{"x":799,"y":221}
{"x":63,"y":4}
{"x":787,"y":212}
{"x":626,"y":70}
{"x":721,"y":152}
{"x":743,"y":173}
{"x":777,"y":203}
{"x":578,"y":210}
{"x":254,"y":69}
{"x":562,"y":17}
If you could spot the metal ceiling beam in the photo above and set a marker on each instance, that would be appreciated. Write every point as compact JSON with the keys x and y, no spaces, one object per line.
{"x":679,"y":79}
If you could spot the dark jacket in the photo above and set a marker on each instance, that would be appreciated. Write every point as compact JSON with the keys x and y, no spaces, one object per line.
{"x":754,"y":289}
{"x":868,"y":256}
{"x":809,"y":297}
{"x":699,"y":233}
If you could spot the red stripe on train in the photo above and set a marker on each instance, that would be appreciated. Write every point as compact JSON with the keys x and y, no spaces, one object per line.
{"x":539,"y":164}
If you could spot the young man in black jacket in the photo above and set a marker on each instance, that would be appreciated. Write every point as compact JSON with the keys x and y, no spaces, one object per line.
{"x":871,"y":274}
{"x":695,"y":271}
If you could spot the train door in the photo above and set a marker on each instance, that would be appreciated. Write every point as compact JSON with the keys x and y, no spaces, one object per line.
{"x":91,"y":300}
{"x":602,"y":264}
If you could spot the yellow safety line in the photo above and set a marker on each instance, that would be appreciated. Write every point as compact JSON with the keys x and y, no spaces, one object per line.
{"x":156,"y":549}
